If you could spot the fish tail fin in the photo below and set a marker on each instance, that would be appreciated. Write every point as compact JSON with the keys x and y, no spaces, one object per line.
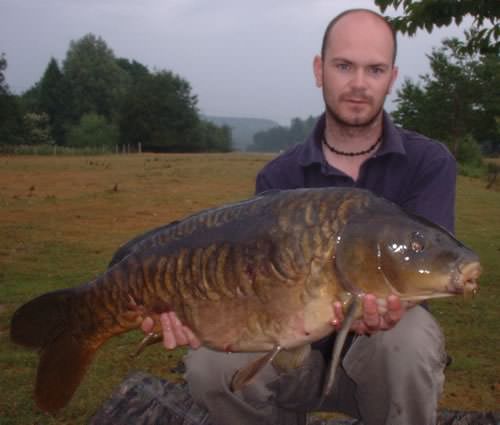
{"x":61,"y":368}
{"x":45,"y":323}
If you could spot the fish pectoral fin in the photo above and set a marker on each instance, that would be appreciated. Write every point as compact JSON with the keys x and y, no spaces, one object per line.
{"x":244,"y":375}
{"x":287,"y":360}
{"x":150,"y":339}
{"x":350,"y":316}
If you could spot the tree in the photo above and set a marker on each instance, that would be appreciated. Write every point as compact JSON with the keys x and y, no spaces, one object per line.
{"x":11,"y":123}
{"x":273,"y":140}
{"x":93,"y":131}
{"x":134,"y":69}
{"x":52,"y":99}
{"x":279,"y":138}
{"x":413,"y":110}
{"x":212,"y":138}
{"x":450,"y":89}
{"x":95,"y":81}
{"x":160,"y":112}
{"x":487,"y":111}
{"x":4,"y":88}
{"x":454,"y":103}
{"x":30,"y":99}
{"x":484,"y":35}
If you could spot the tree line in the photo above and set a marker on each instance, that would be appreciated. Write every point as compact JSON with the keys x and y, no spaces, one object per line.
{"x":279,"y":138}
{"x":95,"y":99}
{"x":457,"y":103}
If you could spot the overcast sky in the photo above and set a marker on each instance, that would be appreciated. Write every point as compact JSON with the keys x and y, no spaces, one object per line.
{"x":242,"y":58}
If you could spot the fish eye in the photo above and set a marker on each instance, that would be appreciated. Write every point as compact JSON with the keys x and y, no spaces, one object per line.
{"x":417,"y":242}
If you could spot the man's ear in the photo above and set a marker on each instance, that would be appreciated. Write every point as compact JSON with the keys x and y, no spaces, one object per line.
{"x":394,"y":76}
{"x":318,"y":70}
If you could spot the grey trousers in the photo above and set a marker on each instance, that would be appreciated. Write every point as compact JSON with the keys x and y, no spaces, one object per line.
{"x":393,"y":377}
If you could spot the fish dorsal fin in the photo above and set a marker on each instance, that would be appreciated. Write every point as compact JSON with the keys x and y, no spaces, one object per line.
{"x":244,"y":375}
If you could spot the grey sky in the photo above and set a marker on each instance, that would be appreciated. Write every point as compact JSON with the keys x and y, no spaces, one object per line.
{"x":242,"y":58}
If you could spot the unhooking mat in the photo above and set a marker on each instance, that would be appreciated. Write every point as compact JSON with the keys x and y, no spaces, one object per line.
{"x":143,"y":399}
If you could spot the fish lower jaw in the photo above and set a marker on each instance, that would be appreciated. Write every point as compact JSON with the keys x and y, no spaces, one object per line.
{"x":468,"y":289}
{"x":426,"y":296}
{"x":446,"y":293}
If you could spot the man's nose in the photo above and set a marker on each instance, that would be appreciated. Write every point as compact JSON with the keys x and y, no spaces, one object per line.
{"x":358,"y":79}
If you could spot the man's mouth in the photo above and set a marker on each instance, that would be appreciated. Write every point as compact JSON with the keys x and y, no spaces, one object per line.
{"x":356,"y":101}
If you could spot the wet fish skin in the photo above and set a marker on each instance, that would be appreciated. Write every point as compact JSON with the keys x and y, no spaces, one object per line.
{"x":248,"y":276}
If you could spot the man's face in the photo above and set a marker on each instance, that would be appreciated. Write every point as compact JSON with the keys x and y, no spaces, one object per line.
{"x":356,"y":72}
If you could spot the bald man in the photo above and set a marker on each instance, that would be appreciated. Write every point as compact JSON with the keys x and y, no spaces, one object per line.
{"x":392,"y":370}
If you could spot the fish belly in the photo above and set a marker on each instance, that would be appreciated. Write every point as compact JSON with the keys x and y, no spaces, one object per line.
{"x":290,"y":320}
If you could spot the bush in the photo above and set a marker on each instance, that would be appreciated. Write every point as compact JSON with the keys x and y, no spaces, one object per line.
{"x":468,"y":170}
{"x":37,"y":128}
{"x":93,"y":131}
{"x":469,"y":152}
{"x":469,"y":157}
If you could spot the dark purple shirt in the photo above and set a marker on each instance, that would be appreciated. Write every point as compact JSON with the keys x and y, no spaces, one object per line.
{"x":415,"y":172}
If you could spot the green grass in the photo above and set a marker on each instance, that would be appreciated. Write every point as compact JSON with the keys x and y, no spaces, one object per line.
{"x":64,"y":231}
{"x":472,"y":328}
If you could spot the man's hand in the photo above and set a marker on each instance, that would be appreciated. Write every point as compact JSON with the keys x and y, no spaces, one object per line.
{"x":174,"y":333}
{"x":377,"y":315}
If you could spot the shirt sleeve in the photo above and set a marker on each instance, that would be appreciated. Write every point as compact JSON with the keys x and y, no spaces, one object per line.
{"x":433,"y":193}
{"x":262,"y":183}
{"x":280,"y":174}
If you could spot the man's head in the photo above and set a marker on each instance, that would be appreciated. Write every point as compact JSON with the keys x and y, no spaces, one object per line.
{"x":356,"y":68}
{"x":376,"y":15}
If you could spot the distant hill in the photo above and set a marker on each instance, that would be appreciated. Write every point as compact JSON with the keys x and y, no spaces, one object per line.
{"x":243,"y":129}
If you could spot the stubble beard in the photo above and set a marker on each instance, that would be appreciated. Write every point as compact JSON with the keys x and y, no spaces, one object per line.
{"x":352,"y":124}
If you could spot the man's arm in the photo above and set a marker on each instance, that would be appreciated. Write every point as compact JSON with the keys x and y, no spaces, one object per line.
{"x":433,"y":193}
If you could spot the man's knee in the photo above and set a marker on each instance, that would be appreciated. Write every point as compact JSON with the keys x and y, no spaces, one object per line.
{"x":209,"y":374}
{"x":419,"y":338}
{"x":205,"y":372}
{"x":415,"y":343}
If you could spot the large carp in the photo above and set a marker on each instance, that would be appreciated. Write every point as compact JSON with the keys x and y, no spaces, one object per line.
{"x":258,"y":275}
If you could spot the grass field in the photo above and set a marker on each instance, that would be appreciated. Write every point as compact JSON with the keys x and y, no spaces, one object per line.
{"x":62,"y":218}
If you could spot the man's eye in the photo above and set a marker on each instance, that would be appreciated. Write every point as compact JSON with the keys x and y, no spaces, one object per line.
{"x":343,"y":66}
{"x":377,"y":70}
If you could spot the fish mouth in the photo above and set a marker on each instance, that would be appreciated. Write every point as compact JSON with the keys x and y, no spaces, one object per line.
{"x":465,"y":280}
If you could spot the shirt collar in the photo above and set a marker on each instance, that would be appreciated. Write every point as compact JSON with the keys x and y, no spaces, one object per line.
{"x":312,"y":152}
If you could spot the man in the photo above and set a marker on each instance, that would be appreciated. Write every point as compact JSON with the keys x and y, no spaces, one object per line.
{"x":389,"y":374}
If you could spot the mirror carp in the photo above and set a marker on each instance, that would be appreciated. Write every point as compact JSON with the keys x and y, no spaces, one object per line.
{"x":259,"y":275}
